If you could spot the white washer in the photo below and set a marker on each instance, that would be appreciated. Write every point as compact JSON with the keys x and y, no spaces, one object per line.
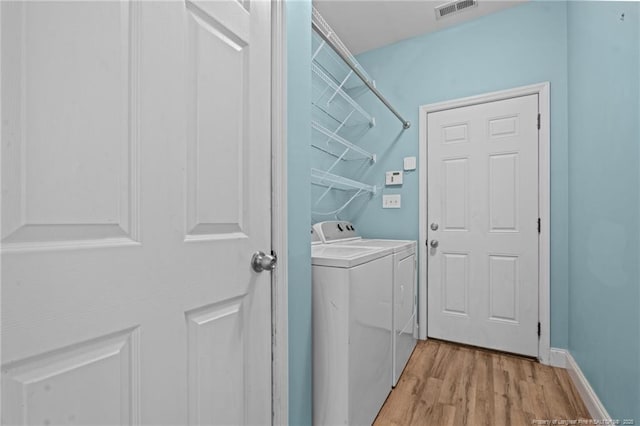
{"x":405,"y":275}
{"x":351,"y":333}
{"x":315,"y":238}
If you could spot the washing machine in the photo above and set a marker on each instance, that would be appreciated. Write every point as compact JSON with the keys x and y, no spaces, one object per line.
{"x":315,"y":238}
{"x":352,"y":351}
{"x":404,"y":284}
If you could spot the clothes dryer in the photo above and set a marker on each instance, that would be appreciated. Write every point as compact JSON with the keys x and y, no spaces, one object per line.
{"x":404,"y":284}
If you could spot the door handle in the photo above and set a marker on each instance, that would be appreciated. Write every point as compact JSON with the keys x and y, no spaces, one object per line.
{"x":263,"y":262}
{"x":434,"y":243}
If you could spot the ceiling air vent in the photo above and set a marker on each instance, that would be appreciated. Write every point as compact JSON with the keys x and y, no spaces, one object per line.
{"x":454,"y":7}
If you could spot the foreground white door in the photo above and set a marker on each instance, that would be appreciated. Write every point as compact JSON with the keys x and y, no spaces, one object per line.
{"x":135,"y":187}
{"x":482,"y":225}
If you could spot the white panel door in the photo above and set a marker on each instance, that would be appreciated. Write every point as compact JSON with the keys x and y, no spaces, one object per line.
{"x":135,"y":187}
{"x":483,"y":216}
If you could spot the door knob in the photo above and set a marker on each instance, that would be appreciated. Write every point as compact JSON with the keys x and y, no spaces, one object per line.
{"x":434,"y":226}
{"x":433,"y":243}
{"x":263,"y":262}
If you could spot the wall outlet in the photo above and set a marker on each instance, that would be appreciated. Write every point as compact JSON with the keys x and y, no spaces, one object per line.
{"x":391,"y":201}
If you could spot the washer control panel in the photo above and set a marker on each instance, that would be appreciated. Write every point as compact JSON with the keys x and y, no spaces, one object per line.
{"x":315,"y":238}
{"x":335,"y":230}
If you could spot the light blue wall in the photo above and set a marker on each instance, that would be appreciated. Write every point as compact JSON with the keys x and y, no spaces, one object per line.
{"x":604,"y":212}
{"x":592,"y":60}
{"x":516,"y":47}
{"x":298,"y":18}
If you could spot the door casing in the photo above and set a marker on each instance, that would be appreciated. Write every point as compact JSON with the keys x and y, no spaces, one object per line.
{"x":279,"y":278}
{"x":544,"y":192}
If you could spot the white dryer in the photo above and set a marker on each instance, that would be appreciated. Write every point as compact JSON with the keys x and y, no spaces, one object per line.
{"x":404,"y":283}
{"x":351,"y":333}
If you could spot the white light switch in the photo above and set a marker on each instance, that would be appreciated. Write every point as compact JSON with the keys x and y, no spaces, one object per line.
{"x":393,"y":178}
{"x":409,"y":163}
{"x":391,"y":201}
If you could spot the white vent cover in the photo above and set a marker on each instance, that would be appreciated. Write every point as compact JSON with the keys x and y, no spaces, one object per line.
{"x":454,"y":7}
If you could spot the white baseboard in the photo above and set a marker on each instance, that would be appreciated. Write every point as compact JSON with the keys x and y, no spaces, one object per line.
{"x":558,"y":358}
{"x":562,"y":358}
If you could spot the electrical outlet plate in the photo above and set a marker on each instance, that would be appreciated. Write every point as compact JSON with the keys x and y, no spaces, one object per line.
{"x":391,"y":201}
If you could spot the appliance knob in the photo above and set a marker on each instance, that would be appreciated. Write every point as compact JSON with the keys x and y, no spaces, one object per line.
{"x":340,"y":227}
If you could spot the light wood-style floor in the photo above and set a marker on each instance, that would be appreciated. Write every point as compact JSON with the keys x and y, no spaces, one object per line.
{"x":456,"y":385}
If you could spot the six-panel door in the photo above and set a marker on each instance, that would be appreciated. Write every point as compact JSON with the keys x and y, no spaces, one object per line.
{"x":135,"y":187}
{"x":483,"y":197}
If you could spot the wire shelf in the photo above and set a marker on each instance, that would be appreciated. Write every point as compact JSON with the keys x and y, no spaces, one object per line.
{"x":335,"y":137}
{"x":344,"y":95}
{"x":327,"y":58}
{"x":322,"y":178}
{"x":331,"y":35}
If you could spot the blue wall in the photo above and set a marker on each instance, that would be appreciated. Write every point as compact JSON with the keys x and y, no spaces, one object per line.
{"x":298,"y":18}
{"x":516,"y":47}
{"x":592,"y":59}
{"x":604,"y":207}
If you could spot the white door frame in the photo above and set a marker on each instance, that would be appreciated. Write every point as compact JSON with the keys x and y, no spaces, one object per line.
{"x":279,"y":280}
{"x":544,"y":181}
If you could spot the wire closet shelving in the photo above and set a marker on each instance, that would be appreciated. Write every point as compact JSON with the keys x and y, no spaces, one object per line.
{"x":339,"y":79}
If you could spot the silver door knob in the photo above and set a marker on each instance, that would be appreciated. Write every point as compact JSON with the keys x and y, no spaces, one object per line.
{"x":263,"y":262}
{"x":434,"y":226}
{"x":433,"y":243}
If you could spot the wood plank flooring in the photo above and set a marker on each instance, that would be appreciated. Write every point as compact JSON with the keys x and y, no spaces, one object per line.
{"x":456,"y":385}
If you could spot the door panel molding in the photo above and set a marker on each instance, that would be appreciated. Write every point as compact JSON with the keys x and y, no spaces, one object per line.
{"x":41,"y":211}
{"x":49,"y":375}
{"x":542,"y":90}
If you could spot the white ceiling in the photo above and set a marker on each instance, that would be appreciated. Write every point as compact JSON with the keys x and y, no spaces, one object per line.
{"x":368,"y":24}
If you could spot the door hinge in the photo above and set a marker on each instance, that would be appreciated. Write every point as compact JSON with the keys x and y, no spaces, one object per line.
{"x":538,"y":121}
{"x":539,"y":332}
{"x":539,"y":226}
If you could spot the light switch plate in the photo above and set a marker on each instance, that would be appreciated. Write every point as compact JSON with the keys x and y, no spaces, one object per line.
{"x":391,"y":201}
